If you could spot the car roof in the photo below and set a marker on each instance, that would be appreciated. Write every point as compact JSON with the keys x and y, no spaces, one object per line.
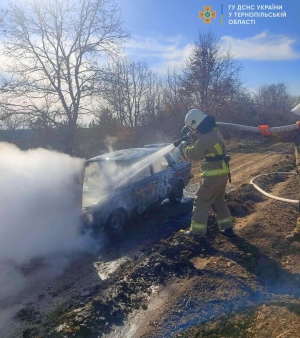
{"x":131,"y":154}
{"x":156,"y":145}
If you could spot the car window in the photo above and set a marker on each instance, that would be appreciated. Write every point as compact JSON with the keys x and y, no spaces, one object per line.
{"x":175,"y":155}
{"x":160,"y":164}
{"x":94,"y":174}
{"x":104,"y":174}
{"x":140,"y":175}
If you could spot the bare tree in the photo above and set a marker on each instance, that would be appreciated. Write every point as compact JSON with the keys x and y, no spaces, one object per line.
{"x":13,"y":127}
{"x":175,"y":103}
{"x":173,"y":95}
{"x":153,"y":101}
{"x":273,"y":96}
{"x":53,"y":49}
{"x":274,"y":103}
{"x":126,"y":90}
{"x":211,"y":76}
{"x":295,"y":100}
{"x":3,"y":12}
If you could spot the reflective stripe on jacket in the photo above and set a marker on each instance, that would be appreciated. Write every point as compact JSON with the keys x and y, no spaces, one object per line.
{"x":209,"y":144}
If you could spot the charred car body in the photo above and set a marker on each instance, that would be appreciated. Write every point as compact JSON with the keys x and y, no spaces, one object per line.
{"x":119,"y":185}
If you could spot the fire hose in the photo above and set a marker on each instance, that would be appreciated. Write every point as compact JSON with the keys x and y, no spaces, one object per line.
{"x":296,"y":203}
{"x":266,"y":131}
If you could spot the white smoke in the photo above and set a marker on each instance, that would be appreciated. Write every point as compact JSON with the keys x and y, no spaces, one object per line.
{"x":110,"y":141}
{"x":39,"y":210}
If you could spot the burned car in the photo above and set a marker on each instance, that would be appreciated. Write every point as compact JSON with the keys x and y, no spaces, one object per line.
{"x":121,"y":184}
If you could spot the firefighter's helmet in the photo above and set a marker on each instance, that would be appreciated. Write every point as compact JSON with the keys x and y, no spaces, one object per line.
{"x":193,"y":118}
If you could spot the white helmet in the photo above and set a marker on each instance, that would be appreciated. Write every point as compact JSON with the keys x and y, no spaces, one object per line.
{"x":193,"y":118}
{"x":296,"y":109}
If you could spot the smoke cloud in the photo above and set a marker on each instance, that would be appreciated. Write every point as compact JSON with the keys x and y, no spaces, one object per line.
{"x":39,"y":211}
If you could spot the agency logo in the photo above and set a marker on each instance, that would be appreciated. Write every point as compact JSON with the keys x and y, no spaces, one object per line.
{"x":207,"y":14}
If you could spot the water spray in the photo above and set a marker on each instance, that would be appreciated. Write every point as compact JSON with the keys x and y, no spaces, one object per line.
{"x":142,"y":164}
{"x":116,"y":176}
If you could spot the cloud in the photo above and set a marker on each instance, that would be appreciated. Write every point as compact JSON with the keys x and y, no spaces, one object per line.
{"x":161,"y":52}
{"x":263,"y":46}
{"x":251,"y":90}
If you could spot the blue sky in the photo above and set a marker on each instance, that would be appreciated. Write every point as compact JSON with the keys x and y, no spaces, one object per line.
{"x":162,"y":32}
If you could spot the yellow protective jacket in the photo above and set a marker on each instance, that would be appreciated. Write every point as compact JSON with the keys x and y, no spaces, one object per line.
{"x":208,"y":145}
{"x":292,"y":136}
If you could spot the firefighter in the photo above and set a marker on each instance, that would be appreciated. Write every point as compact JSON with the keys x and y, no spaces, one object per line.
{"x":209,"y":147}
{"x":295,"y":235}
{"x":292,"y":136}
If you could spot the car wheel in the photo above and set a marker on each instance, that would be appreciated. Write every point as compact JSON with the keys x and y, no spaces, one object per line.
{"x":116,"y":223}
{"x":176,"y":193}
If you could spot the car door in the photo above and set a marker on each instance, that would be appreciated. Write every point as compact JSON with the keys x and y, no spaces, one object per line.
{"x":145,"y":189}
{"x":163,"y":173}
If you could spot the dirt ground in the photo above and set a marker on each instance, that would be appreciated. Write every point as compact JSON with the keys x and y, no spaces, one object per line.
{"x":158,"y":283}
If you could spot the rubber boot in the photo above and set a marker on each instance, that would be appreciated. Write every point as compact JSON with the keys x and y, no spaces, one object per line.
{"x":228,"y":232}
{"x":293,"y":237}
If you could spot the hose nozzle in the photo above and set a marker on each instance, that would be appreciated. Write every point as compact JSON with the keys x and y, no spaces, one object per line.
{"x":176,"y":143}
{"x":184,"y":136}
